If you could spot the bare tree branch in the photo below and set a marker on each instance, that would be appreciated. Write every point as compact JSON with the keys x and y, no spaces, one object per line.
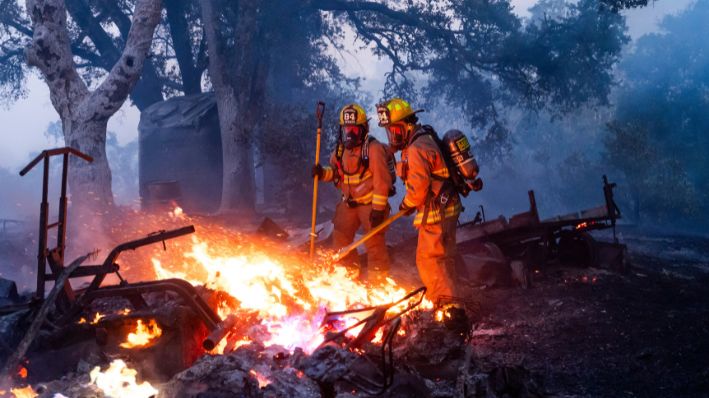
{"x":114,"y":12}
{"x":114,"y":90}
{"x":80,"y":12}
{"x":182,"y":44}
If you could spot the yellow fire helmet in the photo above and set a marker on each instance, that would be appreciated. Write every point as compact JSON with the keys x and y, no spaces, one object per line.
{"x":394,"y":110}
{"x":353,"y":115}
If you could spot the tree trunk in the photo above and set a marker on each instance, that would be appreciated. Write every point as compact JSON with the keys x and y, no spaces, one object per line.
{"x":180,"y":34}
{"x":239,"y":91}
{"x":238,"y":182}
{"x":90,"y":182}
{"x":85,"y":114}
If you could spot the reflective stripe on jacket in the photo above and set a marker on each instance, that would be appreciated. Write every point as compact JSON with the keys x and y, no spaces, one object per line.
{"x":371,"y":186}
{"x":424,"y":171}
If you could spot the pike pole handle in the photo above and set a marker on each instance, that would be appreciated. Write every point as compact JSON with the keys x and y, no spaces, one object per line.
{"x":319,"y":111}
{"x":347,"y":249}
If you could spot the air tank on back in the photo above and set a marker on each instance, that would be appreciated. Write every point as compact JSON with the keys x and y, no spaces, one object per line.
{"x":459,"y":148}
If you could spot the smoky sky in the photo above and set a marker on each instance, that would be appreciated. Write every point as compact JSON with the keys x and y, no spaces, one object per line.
{"x":23,"y":123}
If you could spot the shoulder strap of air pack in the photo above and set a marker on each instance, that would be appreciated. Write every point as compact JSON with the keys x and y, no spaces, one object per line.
{"x":364,"y":156}
{"x":427,"y":130}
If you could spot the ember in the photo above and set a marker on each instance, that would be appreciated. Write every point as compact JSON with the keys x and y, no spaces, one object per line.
{"x":24,"y":392}
{"x":177,"y":213}
{"x":290,"y":295}
{"x":120,"y":381}
{"x":95,"y":321}
{"x":263,"y":381}
{"x":143,"y":335}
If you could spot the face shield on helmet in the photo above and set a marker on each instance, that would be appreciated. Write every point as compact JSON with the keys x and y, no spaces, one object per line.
{"x":352,"y":136}
{"x":396,"y":133}
{"x":394,"y":116}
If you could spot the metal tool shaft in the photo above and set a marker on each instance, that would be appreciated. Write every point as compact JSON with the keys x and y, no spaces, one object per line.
{"x":348,"y":249}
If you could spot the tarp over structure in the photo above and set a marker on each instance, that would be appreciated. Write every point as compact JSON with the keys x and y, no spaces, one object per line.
{"x":180,"y":156}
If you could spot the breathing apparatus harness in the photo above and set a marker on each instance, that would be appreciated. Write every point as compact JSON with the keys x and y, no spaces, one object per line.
{"x":454,"y":184}
{"x":363,"y":162}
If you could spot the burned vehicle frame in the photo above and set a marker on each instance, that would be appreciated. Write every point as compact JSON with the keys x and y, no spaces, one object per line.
{"x":60,"y":310}
{"x":524,"y":241}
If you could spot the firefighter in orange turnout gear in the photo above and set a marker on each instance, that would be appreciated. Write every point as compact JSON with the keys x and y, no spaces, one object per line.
{"x":363,"y":169}
{"x":428,"y":193}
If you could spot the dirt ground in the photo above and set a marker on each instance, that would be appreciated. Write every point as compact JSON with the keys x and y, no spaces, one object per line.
{"x":589,"y":332}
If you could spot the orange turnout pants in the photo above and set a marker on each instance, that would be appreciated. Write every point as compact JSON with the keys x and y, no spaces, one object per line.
{"x":435,"y":257}
{"x":347,"y":221}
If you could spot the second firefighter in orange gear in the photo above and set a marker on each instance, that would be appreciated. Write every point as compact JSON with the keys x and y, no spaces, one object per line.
{"x":362,"y":168}
{"x":428,"y":192}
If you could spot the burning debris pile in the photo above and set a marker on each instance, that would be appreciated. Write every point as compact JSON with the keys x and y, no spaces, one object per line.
{"x":283,"y":326}
{"x":220,"y":312}
{"x":223,"y":313}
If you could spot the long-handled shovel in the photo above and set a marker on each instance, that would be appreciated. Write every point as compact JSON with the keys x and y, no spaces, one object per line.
{"x":347,"y":249}
{"x":319,"y":111}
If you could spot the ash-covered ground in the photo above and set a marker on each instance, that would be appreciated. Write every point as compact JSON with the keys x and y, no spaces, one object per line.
{"x":595,"y":333}
{"x":577,"y":332}
{"x":592,"y":332}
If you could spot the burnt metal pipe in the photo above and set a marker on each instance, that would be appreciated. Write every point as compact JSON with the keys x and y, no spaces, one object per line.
{"x":218,"y":334}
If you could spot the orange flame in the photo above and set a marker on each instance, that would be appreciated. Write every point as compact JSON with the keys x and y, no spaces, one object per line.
{"x":97,"y":317}
{"x":290,"y":296}
{"x":263,"y":381}
{"x":287,"y":292}
{"x":177,"y":213}
{"x":24,"y":392}
{"x":442,"y":314}
{"x":143,"y":335}
{"x":120,"y":381}
{"x":22,"y":372}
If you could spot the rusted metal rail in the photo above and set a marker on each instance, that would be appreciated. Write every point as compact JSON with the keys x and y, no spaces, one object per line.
{"x":373,"y":322}
{"x":72,"y":302}
{"x":55,"y":257}
{"x":525,"y":233}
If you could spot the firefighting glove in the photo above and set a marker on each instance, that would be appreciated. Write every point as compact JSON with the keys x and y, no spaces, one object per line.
{"x":376,"y":217}
{"x":406,"y":209}
{"x":317,"y":171}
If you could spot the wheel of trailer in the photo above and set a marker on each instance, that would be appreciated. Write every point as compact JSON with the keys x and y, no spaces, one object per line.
{"x":576,"y":249}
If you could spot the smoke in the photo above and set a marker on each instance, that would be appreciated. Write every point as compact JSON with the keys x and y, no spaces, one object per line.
{"x":20,"y":198}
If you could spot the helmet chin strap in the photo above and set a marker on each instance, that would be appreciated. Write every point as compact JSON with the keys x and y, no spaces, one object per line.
{"x":409,"y":132}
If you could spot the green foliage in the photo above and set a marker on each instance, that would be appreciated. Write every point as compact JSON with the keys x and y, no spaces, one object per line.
{"x":617,"y":5}
{"x":659,"y":137}
{"x":13,"y":70}
{"x":477,"y":55}
{"x":474,"y":55}
{"x":474,"y":58}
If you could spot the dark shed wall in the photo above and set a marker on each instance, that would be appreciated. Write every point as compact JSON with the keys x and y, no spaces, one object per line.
{"x":180,"y":141}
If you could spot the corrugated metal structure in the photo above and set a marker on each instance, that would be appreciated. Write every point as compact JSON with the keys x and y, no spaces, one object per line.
{"x":180,"y":154}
